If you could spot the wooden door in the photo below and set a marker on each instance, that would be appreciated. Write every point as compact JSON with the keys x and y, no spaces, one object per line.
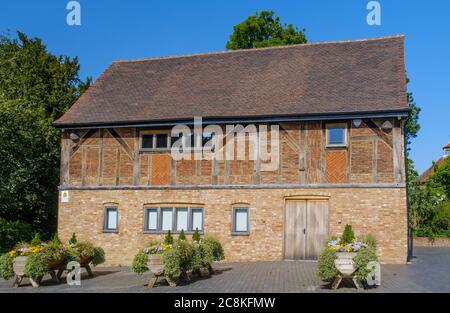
{"x":305,"y":228}
{"x":317,"y":228}
{"x":295,"y":223}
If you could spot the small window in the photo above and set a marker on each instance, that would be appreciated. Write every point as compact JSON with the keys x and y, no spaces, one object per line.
{"x":336,"y":135}
{"x":147,"y":141}
{"x":111,"y":219}
{"x":197,"y":219}
{"x":240,"y":221}
{"x":155,"y":141}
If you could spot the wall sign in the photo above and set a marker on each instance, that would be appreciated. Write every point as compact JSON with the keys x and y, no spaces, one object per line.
{"x":64,"y":196}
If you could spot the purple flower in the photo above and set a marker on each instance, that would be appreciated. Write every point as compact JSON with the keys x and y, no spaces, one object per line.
{"x":72,"y":245}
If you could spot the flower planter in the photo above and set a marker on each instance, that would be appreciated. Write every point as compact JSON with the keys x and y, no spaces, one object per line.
{"x":344,"y":263}
{"x":19,"y":265}
{"x":155,"y":264}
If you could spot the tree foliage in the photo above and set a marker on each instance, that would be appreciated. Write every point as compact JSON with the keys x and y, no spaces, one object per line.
{"x":264,"y":29}
{"x":36,"y":87}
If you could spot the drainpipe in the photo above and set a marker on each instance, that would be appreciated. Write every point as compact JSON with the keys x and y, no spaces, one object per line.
{"x":409,"y":230}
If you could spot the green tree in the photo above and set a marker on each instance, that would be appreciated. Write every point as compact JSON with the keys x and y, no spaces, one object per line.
{"x":412,"y":125}
{"x":36,"y":87}
{"x":264,"y":30}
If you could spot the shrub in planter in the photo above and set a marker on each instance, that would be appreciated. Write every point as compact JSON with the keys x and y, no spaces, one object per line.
{"x":348,"y":235}
{"x":55,"y":253}
{"x":140,"y":261}
{"x":182,"y":235}
{"x":6,"y":266}
{"x":85,"y":253}
{"x":213,"y":248}
{"x":36,"y":265}
{"x":360,"y":252}
{"x":172,"y":263}
{"x":325,"y":265}
{"x":168,"y":240}
{"x":196,"y":235}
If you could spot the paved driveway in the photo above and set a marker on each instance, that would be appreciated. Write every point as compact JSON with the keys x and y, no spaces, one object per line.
{"x":429,"y":272}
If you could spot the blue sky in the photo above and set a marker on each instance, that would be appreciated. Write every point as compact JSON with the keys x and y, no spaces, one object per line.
{"x":113,"y":30}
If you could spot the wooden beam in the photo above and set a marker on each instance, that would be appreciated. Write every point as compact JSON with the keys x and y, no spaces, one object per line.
{"x":302,"y":153}
{"x":397,"y":152}
{"x":375,"y":160}
{"x":83,"y":165}
{"x":122,"y":142}
{"x":100,"y":158}
{"x":136,"y":159}
{"x":80,"y":142}
{"x":117,"y":166}
{"x":371,"y":124}
{"x":65,"y":157}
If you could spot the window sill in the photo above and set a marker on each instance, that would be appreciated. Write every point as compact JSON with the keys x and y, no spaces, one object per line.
{"x":240,"y":233}
{"x":164,"y":232}
{"x":157,"y":150}
{"x":110,"y":231}
{"x":343,"y":146}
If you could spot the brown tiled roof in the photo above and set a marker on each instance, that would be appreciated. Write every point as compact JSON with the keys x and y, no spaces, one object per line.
{"x":357,"y":76}
{"x":447,"y":146}
{"x":430,"y":170}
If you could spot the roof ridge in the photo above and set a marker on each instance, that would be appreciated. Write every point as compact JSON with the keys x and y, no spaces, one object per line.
{"x":258,"y":49}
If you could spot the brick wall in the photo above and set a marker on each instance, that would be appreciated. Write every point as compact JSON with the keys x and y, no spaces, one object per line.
{"x":381,"y":211}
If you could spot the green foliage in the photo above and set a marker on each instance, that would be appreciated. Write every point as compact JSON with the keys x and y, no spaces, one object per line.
{"x":6,"y":266}
{"x":54,"y":250}
{"x":36,"y":241}
{"x":36,"y":87}
{"x":11,"y":233}
{"x":36,"y":265}
{"x":73,"y":239}
{"x":182,"y":235}
{"x":264,"y":29}
{"x":86,"y":250}
{"x":429,"y":202}
{"x":172,"y":263}
{"x":325,"y":265}
{"x":361,"y":259}
{"x":168,"y":240}
{"x":214,"y":248}
{"x":348,"y":235}
{"x":186,"y":252}
{"x":412,"y":125}
{"x":139,"y":264}
{"x":369,"y":239}
{"x":196,"y":235}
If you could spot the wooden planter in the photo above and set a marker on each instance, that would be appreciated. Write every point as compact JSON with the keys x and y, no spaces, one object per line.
{"x":346,"y":267}
{"x":344,"y":263}
{"x":155,"y":265}
{"x":19,"y":271}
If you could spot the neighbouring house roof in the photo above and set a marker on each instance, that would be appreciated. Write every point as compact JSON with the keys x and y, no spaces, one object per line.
{"x":425,"y":175}
{"x":359,"y":76}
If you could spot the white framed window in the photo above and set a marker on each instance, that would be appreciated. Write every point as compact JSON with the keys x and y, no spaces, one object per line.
{"x":166,"y":219}
{"x":175,"y":219}
{"x":182,"y":219}
{"x":151,"y":219}
{"x":240,"y":222}
{"x":196,"y":219}
{"x":111,"y":219}
{"x":336,"y":135}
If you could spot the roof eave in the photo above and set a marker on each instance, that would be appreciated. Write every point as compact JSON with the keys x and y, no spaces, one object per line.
{"x":223,"y":120}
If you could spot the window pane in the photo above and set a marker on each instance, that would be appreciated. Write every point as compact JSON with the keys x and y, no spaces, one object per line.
{"x":205,"y":138}
{"x":174,"y":139}
{"x":182,"y":219}
{"x":336,"y":135}
{"x":161,"y":140}
{"x":152,"y":219}
{"x":111,"y":219}
{"x":241,"y":220}
{"x":147,"y":141}
{"x":197,"y":219}
{"x":167,"y":216}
